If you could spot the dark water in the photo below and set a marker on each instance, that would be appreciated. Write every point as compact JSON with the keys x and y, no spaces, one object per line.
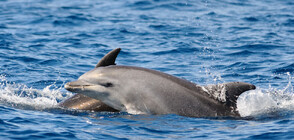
{"x":46,"y":43}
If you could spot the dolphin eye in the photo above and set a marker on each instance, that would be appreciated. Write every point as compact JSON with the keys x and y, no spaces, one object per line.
{"x":108,"y":85}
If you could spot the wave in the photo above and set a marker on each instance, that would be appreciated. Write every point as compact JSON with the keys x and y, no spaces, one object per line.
{"x":267,"y":102}
{"x":284,"y":69}
{"x":23,"y":97}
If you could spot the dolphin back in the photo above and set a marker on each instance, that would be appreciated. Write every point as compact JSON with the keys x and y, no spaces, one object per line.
{"x":83,"y":102}
{"x":228,"y":93}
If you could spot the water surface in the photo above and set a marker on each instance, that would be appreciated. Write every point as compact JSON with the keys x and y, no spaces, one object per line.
{"x":44,"y":44}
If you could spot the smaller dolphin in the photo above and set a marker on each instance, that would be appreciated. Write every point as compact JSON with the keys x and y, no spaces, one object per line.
{"x":83,"y":102}
{"x":139,"y":90}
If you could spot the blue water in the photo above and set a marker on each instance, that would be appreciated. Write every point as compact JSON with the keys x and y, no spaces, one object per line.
{"x":46,"y":43}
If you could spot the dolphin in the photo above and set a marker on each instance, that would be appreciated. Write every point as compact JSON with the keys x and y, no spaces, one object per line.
{"x":138,"y":90}
{"x":83,"y":102}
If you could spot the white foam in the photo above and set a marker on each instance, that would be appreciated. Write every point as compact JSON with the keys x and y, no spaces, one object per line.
{"x":21,"y":96}
{"x":266,"y":101}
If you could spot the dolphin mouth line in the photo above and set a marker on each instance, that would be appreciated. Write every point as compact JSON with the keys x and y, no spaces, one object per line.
{"x":74,"y":87}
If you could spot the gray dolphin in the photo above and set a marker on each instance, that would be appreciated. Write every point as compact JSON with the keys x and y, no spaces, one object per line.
{"x":139,"y":90}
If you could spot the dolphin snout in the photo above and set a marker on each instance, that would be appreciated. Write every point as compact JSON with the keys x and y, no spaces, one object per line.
{"x":76,"y":86}
{"x":70,"y":87}
{"x":67,"y":86}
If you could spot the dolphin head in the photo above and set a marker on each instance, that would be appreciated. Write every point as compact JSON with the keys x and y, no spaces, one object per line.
{"x":99,"y":84}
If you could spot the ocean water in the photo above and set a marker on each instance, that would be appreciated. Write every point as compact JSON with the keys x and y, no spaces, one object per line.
{"x":46,"y":43}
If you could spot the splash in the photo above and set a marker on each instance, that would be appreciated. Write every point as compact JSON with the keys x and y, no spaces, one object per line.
{"x":23,"y":97}
{"x":267,"y":101}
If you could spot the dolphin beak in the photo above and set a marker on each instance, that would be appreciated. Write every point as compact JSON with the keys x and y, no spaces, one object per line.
{"x":76,"y":86}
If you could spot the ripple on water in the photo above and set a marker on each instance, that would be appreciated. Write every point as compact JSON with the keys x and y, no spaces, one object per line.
{"x":4,"y":125}
{"x":19,"y":120}
{"x":251,"y":19}
{"x":177,"y":51}
{"x":289,"y":23}
{"x":273,"y":135}
{"x":284,"y":69}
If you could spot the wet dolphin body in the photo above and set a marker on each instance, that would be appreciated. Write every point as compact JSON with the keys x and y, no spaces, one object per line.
{"x":139,"y":90}
{"x":83,"y":102}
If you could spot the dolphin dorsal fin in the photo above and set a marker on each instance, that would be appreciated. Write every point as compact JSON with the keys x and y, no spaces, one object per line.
{"x":109,"y":58}
{"x":228,"y":93}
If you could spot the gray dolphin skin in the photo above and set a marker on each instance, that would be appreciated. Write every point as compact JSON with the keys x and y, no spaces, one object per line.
{"x":139,"y":90}
{"x":83,"y":102}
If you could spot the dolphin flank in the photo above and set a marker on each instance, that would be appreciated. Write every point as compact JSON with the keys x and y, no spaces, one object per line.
{"x":139,"y":90}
